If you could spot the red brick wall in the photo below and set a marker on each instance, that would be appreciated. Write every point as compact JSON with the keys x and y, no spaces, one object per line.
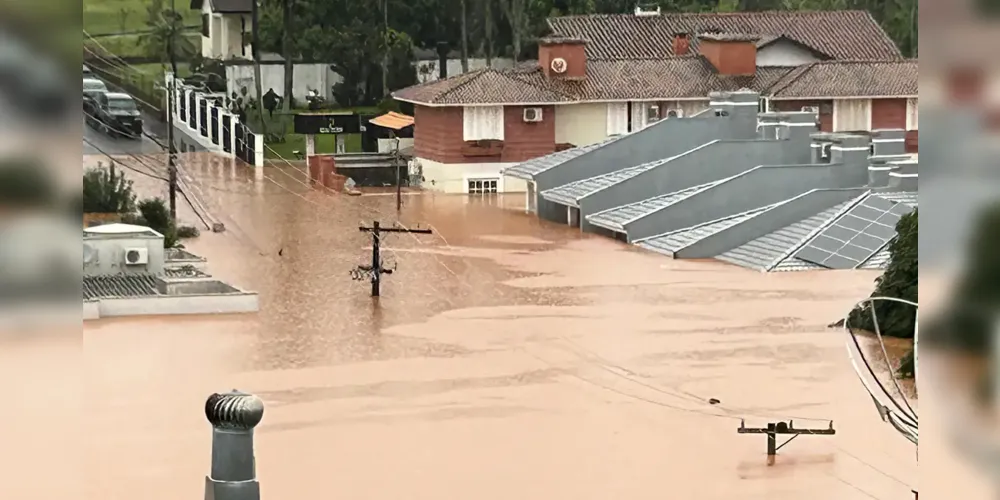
{"x":825,"y":111}
{"x":573,"y":53}
{"x":888,"y":113}
{"x":730,"y":58}
{"x":437,"y":135}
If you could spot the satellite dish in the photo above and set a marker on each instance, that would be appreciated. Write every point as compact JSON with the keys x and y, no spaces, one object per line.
{"x":89,"y":254}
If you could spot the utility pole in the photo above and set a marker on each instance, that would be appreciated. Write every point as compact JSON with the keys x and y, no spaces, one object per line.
{"x":375,"y":270}
{"x":171,"y":150}
{"x":399,"y":178}
{"x":774,"y":428}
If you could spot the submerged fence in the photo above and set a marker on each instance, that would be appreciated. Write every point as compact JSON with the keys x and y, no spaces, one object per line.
{"x":204,"y":117}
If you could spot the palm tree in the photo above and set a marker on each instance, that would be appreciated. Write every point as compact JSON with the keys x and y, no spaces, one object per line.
{"x":165,"y":33}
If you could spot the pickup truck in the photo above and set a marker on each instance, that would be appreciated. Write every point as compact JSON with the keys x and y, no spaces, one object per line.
{"x":116,"y":114}
{"x":91,"y":88}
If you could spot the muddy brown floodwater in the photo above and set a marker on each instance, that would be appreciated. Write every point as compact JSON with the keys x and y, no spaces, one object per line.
{"x":507,"y":358}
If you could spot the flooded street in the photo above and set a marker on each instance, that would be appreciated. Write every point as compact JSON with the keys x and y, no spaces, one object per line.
{"x":507,"y":358}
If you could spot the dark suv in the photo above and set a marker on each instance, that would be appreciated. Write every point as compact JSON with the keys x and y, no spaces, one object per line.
{"x":92,"y":87}
{"x":116,"y":114}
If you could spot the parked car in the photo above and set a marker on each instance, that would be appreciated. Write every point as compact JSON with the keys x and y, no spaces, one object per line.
{"x":91,"y":88}
{"x":116,"y":114}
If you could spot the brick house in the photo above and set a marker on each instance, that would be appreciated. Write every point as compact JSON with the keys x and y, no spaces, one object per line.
{"x":600,"y":76}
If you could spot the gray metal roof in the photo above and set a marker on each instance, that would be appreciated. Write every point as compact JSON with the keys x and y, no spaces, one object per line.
{"x":529,"y":169}
{"x":766,"y":252}
{"x":570,"y":194}
{"x":674,"y":241}
{"x":878,"y":261}
{"x":119,"y":285}
{"x":857,"y":235}
{"x":905,"y":197}
{"x":188,"y":271}
{"x":616,"y":218}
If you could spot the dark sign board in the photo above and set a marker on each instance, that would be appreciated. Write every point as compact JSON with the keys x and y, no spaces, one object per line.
{"x":313,"y":124}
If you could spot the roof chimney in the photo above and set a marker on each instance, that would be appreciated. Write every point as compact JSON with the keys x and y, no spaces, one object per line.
{"x":640,"y":12}
{"x":731,"y":54}
{"x":682,"y":44}
{"x":563,"y":57}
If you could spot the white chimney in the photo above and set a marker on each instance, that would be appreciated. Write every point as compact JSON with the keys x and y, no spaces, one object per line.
{"x":640,"y":12}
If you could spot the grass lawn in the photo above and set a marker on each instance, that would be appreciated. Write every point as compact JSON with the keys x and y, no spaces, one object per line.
{"x":297,"y":142}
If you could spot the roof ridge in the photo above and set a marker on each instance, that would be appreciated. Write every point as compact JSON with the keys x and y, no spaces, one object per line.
{"x":789,"y":13}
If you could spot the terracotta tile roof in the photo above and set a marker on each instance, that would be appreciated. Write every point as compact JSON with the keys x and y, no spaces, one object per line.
{"x":849,"y":79}
{"x":651,"y":80}
{"x":839,"y":34}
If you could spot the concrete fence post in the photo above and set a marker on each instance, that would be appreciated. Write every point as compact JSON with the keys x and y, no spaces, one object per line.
{"x":233,"y":416}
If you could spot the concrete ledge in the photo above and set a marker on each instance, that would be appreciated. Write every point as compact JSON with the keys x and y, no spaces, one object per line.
{"x":241,"y":302}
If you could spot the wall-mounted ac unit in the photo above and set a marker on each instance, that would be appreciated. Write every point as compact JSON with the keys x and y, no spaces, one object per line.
{"x":811,"y":109}
{"x":136,"y":256}
{"x":532,"y":115}
{"x":653,"y":113}
{"x":675,"y":113}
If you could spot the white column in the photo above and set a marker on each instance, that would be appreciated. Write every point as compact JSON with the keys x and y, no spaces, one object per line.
{"x":232,"y":134}
{"x":219,"y":127}
{"x":341,"y":145}
{"x":310,"y":146}
{"x":258,"y":148}
{"x":197,"y":114}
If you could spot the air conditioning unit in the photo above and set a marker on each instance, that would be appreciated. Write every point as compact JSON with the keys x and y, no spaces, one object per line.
{"x":675,"y":113}
{"x":653,"y":113}
{"x":532,"y":115}
{"x":136,"y":256}
{"x":811,"y":109}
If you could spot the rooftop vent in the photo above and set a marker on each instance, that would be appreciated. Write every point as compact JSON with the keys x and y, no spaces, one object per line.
{"x":652,"y":12}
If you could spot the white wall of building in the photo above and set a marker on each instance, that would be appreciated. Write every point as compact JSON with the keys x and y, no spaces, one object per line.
{"x":245,"y":302}
{"x":314,"y":76}
{"x":784,"y":53}
{"x":454,"y":177}
{"x":225,"y":40}
{"x":427,"y":70}
{"x":581,"y":124}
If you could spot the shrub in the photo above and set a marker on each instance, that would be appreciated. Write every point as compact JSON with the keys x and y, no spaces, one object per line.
{"x":155,"y":215}
{"x":185,"y":232}
{"x":106,"y":192}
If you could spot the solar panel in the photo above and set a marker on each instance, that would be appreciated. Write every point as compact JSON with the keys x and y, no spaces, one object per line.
{"x":856,"y":236}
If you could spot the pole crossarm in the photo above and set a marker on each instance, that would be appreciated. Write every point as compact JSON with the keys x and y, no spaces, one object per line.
{"x":774,"y":429}
{"x":375,"y":270}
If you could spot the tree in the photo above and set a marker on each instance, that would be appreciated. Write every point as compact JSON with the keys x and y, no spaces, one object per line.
{"x":107,"y":193}
{"x":895,"y":319}
{"x":287,"y":52}
{"x":465,"y":37}
{"x":516,"y":12}
{"x":154,"y":214}
{"x":165,"y":31}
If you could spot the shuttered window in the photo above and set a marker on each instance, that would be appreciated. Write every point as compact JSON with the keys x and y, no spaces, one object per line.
{"x":911,"y":114}
{"x":482,"y":123}
{"x":852,"y":115}
{"x":617,"y":118}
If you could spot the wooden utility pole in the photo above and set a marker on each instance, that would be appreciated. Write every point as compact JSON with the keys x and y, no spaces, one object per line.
{"x":774,"y":428}
{"x":171,"y":85}
{"x":399,"y":178}
{"x":375,"y":270}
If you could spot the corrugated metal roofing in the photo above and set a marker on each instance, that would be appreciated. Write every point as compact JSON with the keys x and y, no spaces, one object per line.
{"x":616,"y":218}
{"x":906,"y":197}
{"x":120,"y":285}
{"x":676,"y":240}
{"x":570,"y":194}
{"x":878,"y":261}
{"x":762,"y":253}
{"x":529,"y":169}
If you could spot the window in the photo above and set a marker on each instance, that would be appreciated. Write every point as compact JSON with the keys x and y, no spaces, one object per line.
{"x":617,"y":118}
{"x":911,"y":114}
{"x":852,"y":115}
{"x":482,"y":186}
{"x":644,"y":114}
{"x":205,"y":25}
{"x":482,"y":123}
